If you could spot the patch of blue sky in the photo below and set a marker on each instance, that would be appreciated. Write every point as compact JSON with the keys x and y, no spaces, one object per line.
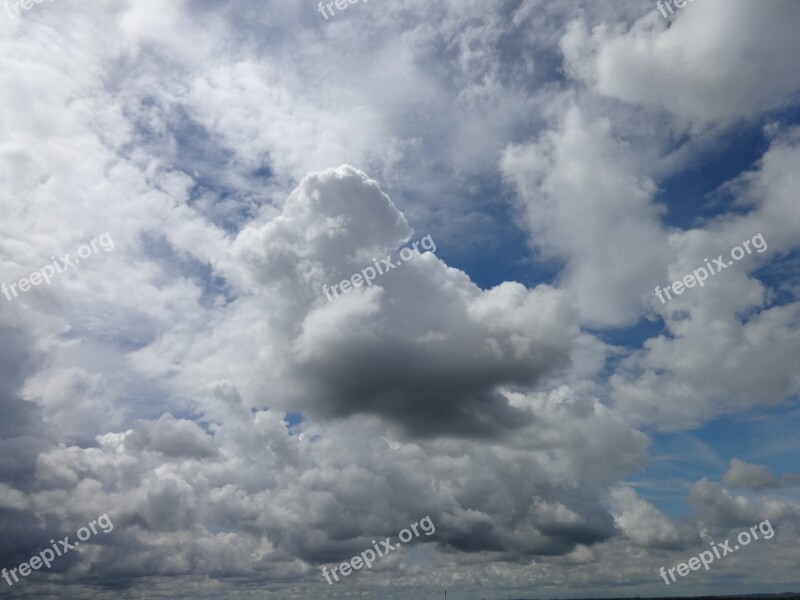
{"x":764,"y":436}
{"x":689,"y":194}
{"x":292,"y":419}
{"x":181,"y":265}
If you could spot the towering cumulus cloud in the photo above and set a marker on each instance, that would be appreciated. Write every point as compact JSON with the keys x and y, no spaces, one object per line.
{"x":424,"y":348}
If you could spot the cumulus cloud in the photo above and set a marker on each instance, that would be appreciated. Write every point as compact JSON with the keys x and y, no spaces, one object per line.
{"x":746,"y":475}
{"x":713,"y":60}
{"x":423,"y":347}
{"x":713,"y":361}
{"x":575,"y":184}
{"x":645,"y":525}
{"x":717,"y":510}
{"x":172,"y":437}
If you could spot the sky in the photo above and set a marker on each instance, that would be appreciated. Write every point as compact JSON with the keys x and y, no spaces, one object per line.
{"x":513,"y":285}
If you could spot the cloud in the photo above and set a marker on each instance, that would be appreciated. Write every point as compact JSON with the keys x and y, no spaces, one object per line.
{"x":172,"y":437}
{"x":718,"y":511}
{"x":22,"y":433}
{"x":712,"y":361}
{"x":746,"y":475}
{"x":575,"y":184}
{"x":423,"y":348}
{"x":646,"y":526}
{"x":713,"y":60}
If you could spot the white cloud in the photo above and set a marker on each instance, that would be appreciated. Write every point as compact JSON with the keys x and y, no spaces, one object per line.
{"x":714,"y":60}
{"x":583,"y":205}
{"x":645,"y":525}
{"x":713,"y":361}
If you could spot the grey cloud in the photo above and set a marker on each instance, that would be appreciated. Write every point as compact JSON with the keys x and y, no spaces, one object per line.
{"x":429,"y":351}
{"x":22,"y":432}
{"x":169,"y":505}
{"x":253,"y":515}
{"x":172,"y":437}
{"x":720,"y":511}
{"x":746,"y":475}
{"x":426,"y":393}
